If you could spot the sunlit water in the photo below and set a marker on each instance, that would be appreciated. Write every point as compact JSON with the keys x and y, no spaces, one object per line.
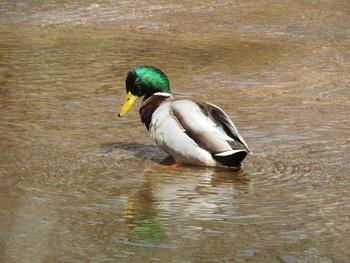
{"x":79,"y":185}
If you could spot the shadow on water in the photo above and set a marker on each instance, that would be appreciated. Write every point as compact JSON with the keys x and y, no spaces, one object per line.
{"x":138,"y":150}
{"x":131,"y":147}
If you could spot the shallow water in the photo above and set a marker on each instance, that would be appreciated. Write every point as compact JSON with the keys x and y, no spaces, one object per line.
{"x":77,"y":184}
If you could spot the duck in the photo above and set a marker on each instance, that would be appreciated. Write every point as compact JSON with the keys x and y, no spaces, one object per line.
{"x":197,"y":133}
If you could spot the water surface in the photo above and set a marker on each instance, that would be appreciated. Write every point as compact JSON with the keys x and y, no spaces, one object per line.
{"x":78,"y":184}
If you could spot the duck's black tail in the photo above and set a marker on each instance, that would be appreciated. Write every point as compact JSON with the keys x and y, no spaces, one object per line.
{"x":230,"y":158}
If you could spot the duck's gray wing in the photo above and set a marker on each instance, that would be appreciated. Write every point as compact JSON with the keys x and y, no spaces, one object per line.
{"x":224,"y":122}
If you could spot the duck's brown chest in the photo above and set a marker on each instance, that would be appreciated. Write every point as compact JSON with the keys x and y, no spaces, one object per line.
{"x":149,"y":105}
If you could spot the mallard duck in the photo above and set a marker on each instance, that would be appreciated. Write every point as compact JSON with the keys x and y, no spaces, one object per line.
{"x":191,"y":132}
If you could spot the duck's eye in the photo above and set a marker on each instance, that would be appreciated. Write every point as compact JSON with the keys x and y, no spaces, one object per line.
{"x":137,"y":81}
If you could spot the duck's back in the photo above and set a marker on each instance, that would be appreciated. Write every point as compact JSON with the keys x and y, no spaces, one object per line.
{"x":187,"y":131}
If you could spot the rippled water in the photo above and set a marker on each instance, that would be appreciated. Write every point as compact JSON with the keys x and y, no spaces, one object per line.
{"x":78,"y":185}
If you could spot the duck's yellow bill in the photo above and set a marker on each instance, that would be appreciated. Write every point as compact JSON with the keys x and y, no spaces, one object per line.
{"x":129,"y":101}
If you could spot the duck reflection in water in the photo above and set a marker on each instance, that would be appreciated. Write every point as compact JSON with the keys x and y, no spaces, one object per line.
{"x":153,"y":212}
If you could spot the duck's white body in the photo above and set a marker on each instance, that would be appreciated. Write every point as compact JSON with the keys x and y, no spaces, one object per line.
{"x":190,"y":134}
{"x":171,"y":137}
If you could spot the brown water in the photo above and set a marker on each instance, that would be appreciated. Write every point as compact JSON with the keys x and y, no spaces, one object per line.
{"x":77,"y":184}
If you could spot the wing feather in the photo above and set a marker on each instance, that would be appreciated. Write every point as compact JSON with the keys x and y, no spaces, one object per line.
{"x":207,"y":125}
{"x":219,"y":115}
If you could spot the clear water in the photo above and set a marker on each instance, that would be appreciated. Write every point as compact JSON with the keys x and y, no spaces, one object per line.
{"x":77,"y":184}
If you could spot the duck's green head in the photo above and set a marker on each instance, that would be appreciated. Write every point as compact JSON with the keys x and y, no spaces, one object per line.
{"x":143,"y":81}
